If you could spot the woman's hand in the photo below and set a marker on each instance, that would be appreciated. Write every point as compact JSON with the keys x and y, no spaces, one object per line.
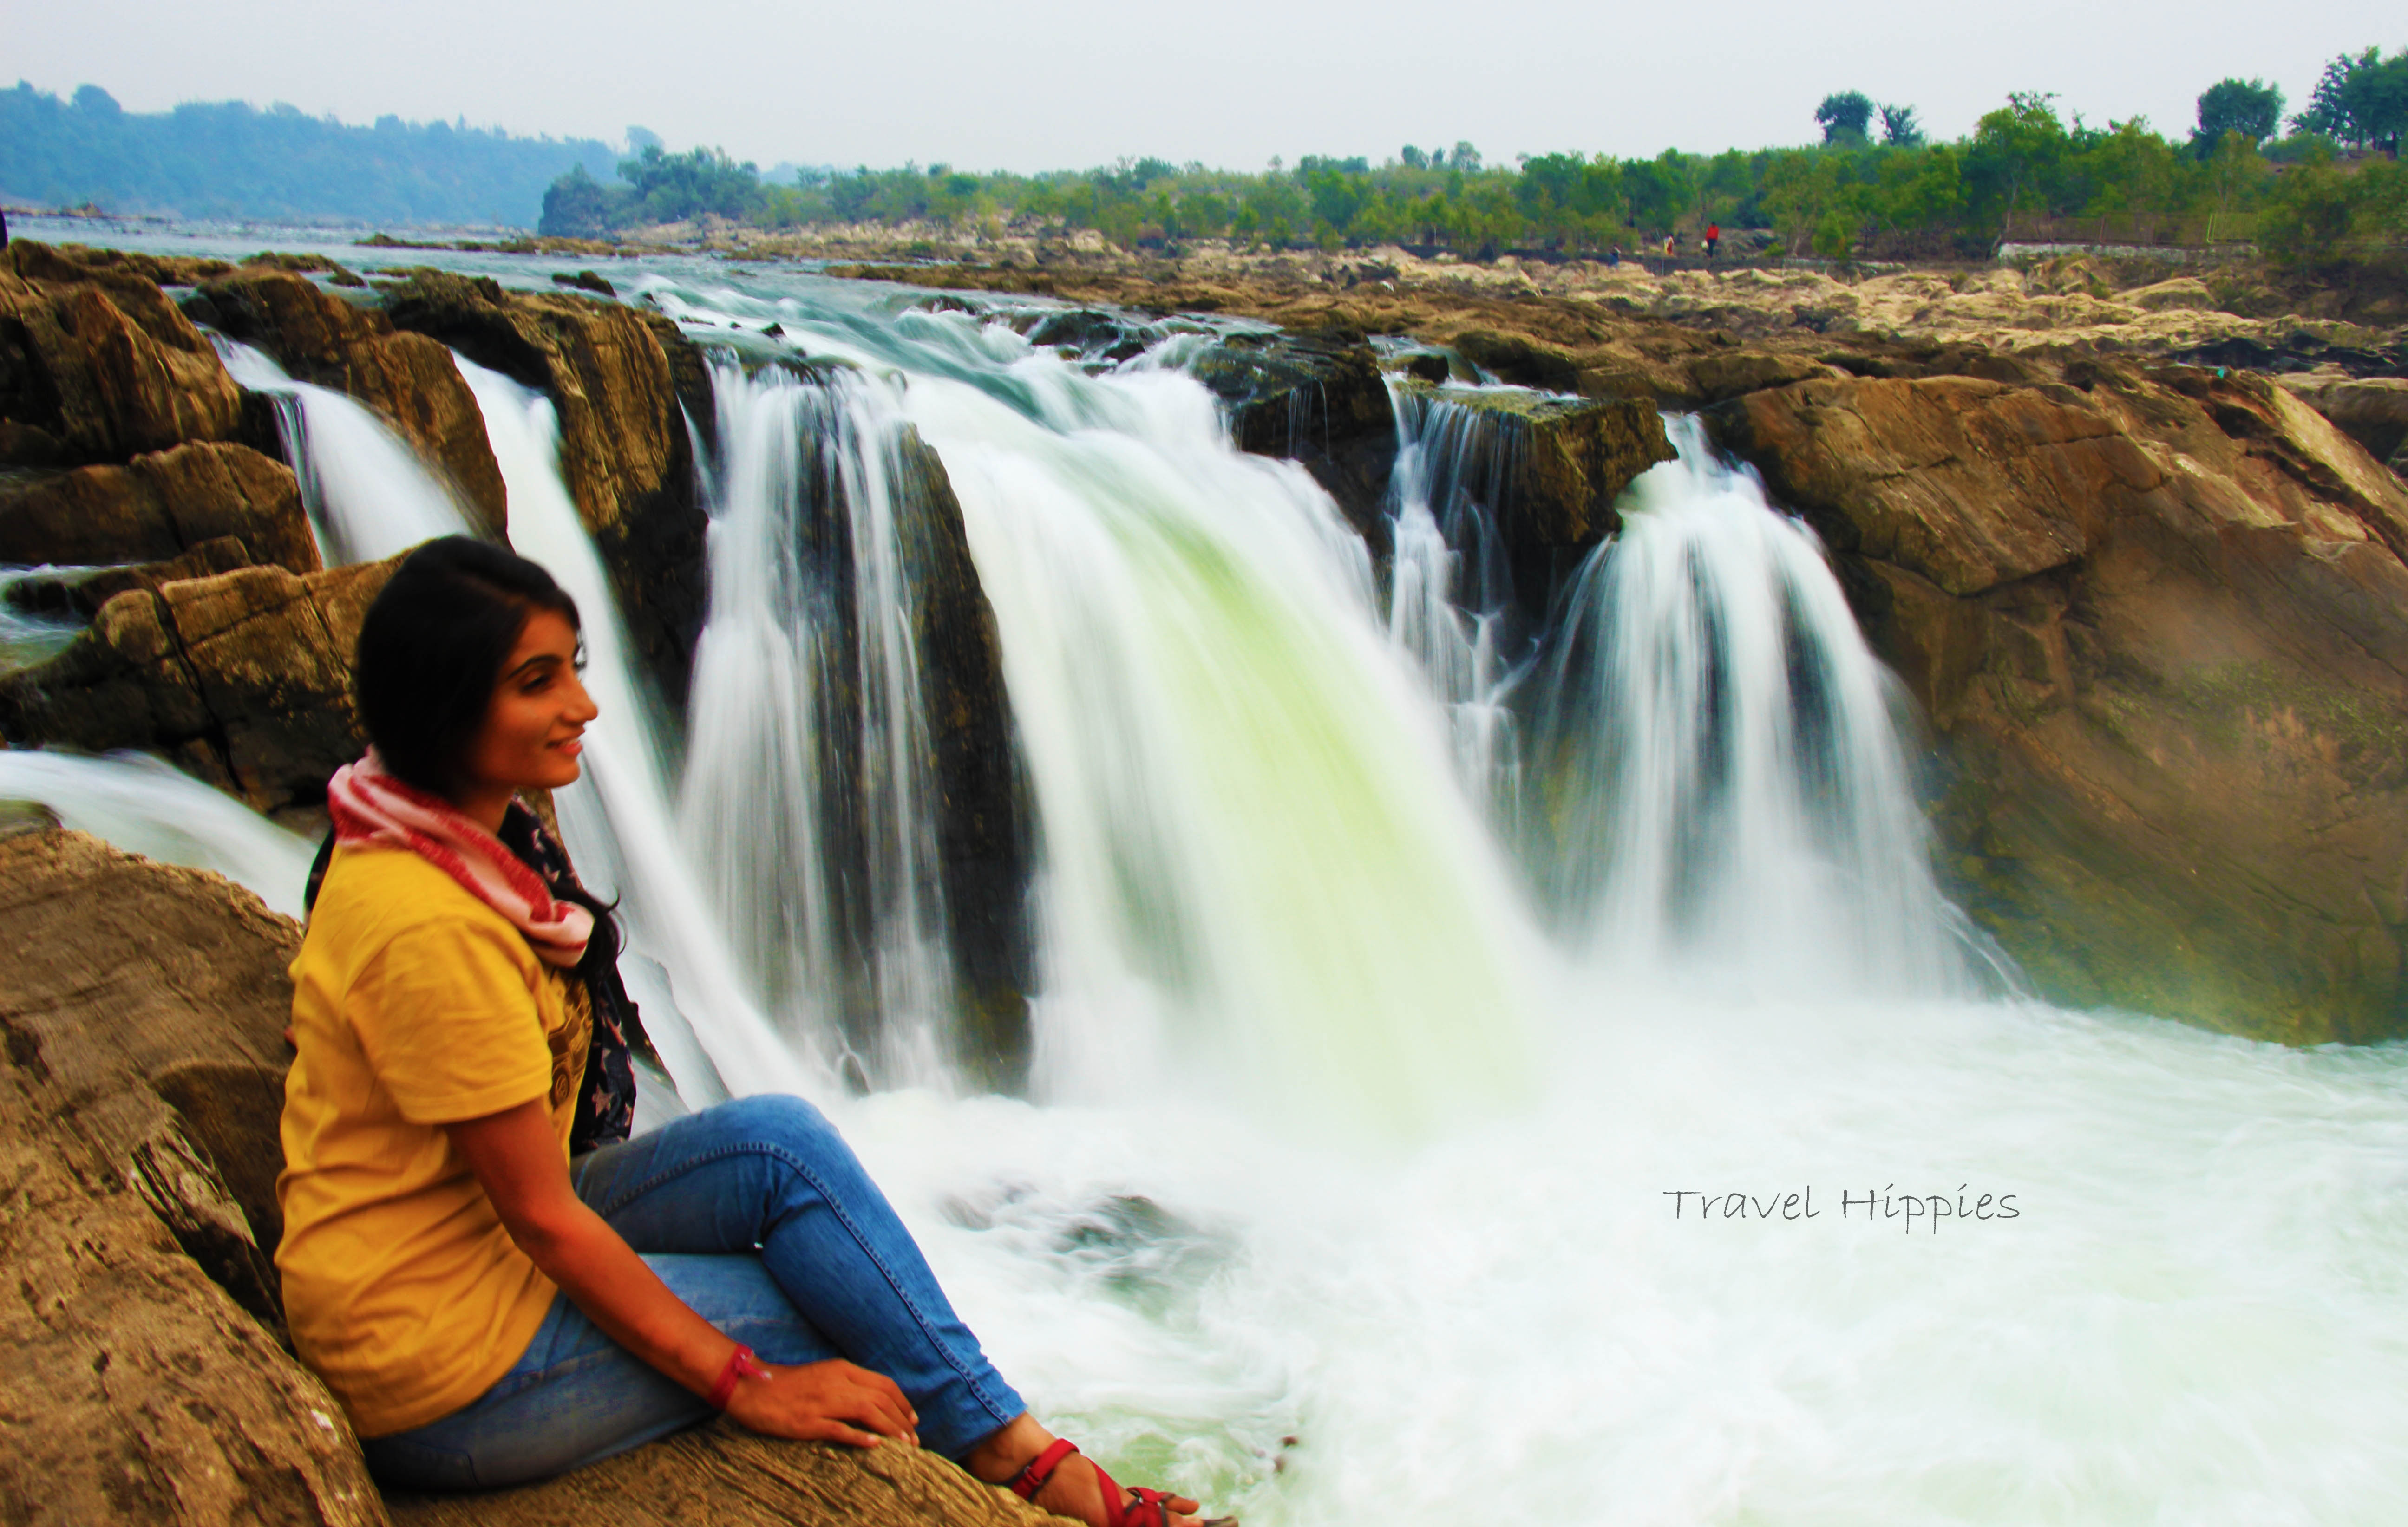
{"x":827,"y":1401}
{"x":516,"y":1156}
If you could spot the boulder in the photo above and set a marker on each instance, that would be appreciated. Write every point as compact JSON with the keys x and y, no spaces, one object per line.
{"x":2159,"y":622}
{"x":243,"y":679}
{"x":78,"y":596}
{"x":2370,"y":410}
{"x":407,"y":379}
{"x":99,"y":365}
{"x":143,"y":1009}
{"x":1520,"y":360}
{"x":1550,"y":469}
{"x":1727,"y":374}
{"x":623,"y":383}
{"x":1317,"y":398}
{"x":157,"y":507}
{"x":141,"y":1087}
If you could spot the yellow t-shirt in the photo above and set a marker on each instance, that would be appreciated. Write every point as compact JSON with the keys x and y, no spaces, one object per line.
{"x":414,"y":1006}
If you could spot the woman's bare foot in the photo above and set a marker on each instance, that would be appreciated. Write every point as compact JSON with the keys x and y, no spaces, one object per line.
{"x":1075,"y":1488}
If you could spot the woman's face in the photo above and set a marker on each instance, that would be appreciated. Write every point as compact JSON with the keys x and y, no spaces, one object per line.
{"x":539,"y":709}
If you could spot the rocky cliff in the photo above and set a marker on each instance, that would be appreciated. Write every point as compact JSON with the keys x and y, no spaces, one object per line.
{"x":2159,"y":617}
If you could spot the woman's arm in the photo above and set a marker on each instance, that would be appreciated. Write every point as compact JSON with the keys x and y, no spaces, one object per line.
{"x":516,"y":1156}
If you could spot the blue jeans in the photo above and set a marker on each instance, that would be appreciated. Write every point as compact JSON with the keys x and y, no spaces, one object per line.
{"x":755,"y":1214}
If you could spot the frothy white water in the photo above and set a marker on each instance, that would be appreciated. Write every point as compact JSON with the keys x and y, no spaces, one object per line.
{"x":149,"y":808}
{"x":1260,"y":875}
{"x":1450,"y":590}
{"x":368,"y":493}
{"x":1727,"y":795}
{"x":617,"y":820}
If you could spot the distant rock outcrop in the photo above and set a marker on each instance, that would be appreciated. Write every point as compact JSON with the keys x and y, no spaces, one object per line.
{"x":2159,"y":617}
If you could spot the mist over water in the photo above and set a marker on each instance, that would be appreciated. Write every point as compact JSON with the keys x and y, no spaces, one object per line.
{"x":1392,"y":985}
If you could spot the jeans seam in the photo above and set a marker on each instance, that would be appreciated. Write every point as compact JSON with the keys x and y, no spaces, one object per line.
{"x":780,"y":1153}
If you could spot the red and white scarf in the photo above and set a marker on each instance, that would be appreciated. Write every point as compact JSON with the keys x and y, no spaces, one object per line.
{"x":370,"y":806}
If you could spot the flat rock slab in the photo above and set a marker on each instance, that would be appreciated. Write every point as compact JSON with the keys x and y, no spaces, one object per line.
{"x":726,"y":1476}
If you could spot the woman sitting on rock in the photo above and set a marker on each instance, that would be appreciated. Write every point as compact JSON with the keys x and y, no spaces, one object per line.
{"x":497,"y":1281}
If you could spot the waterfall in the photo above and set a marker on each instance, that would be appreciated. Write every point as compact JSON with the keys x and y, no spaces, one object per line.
{"x":366,"y":492}
{"x":807,"y":787}
{"x":1258,"y":865}
{"x":617,"y":820}
{"x":1451,"y":590}
{"x":1725,"y":791}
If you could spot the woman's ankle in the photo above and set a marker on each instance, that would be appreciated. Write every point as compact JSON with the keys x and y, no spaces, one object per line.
{"x":1007,"y":1450}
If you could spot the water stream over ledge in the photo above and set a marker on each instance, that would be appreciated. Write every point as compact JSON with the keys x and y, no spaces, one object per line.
{"x":1359,"y":1113}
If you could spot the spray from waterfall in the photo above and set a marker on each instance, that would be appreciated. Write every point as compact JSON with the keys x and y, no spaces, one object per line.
{"x":1724,"y":791}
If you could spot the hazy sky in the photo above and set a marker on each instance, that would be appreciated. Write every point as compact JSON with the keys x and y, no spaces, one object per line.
{"x":1070,"y":83}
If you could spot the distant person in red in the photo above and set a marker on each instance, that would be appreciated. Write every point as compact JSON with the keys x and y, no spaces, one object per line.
{"x":1713,"y":236}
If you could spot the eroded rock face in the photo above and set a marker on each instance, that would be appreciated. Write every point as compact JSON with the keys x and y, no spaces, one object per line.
{"x":1548,"y":470}
{"x":622,"y":383}
{"x":407,"y":379}
{"x":981,"y":841}
{"x":2160,"y":620}
{"x":142,"y":1079}
{"x":2372,"y":411}
{"x":1317,"y":398}
{"x":99,"y":366}
{"x":157,"y":507}
{"x":242,"y":679}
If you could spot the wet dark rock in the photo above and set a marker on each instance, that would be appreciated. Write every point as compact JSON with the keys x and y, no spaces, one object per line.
{"x":587,"y":281}
{"x":157,"y":507}
{"x":1317,"y":398}
{"x":1520,"y":360}
{"x":78,"y":596}
{"x":1428,"y":366}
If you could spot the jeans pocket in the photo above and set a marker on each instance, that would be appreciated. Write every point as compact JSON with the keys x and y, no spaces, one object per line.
{"x":400,"y":1462}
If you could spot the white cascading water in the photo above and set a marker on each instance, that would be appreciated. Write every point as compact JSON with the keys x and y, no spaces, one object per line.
{"x":366,"y":492}
{"x":1269,"y":906}
{"x":1725,"y":796}
{"x":804,"y":543}
{"x":146,"y":806}
{"x":617,"y":820}
{"x":1449,"y":587}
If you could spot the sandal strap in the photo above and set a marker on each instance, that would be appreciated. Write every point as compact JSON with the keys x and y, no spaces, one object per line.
{"x":1032,"y":1474}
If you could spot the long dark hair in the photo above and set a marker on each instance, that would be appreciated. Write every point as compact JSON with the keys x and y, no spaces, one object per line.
{"x":430,"y":653}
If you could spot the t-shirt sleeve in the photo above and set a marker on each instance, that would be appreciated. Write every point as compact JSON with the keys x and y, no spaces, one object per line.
{"x":452,"y":1028}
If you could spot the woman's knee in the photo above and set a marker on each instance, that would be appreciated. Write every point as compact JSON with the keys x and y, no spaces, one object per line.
{"x":781,"y":1122}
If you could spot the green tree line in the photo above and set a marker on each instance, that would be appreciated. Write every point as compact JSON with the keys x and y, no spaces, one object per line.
{"x":1873,"y":186}
{"x":228,"y":159}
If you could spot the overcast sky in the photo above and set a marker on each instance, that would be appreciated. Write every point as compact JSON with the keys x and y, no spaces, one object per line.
{"x":1043,"y":84}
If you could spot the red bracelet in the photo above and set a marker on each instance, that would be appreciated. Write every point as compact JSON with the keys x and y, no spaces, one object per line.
{"x":741,"y":1364}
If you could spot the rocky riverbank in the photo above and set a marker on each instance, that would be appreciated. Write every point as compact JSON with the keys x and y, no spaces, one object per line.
{"x":2153,"y":603}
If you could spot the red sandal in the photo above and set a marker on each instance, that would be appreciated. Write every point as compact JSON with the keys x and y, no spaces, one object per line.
{"x":1152,"y":1508}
